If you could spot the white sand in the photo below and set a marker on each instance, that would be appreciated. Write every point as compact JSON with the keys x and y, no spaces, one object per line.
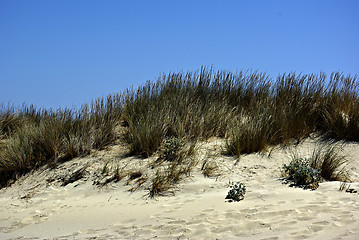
{"x":35,"y":209}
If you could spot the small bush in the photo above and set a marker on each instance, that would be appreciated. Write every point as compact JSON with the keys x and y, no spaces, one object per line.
{"x":302,"y":174}
{"x":237,"y":191}
{"x":325,"y":163}
{"x":171,"y":148}
{"x":160,"y":183}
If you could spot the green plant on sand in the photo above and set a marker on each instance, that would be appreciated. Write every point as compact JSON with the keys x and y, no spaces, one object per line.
{"x":325,"y":163}
{"x":302,"y":174}
{"x":237,"y":191}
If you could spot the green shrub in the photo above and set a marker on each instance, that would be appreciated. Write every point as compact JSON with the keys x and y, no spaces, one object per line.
{"x":302,"y":174}
{"x":237,"y":191}
{"x":325,"y":163}
{"x":171,"y":149}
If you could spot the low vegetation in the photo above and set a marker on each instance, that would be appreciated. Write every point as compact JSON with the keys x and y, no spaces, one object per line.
{"x":331,"y":162}
{"x":40,"y":137}
{"x":175,"y":161}
{"x":236,"y":192}
{"x":325,"y":163}
{"x":250,"y":110}
{"x":302,"y":174}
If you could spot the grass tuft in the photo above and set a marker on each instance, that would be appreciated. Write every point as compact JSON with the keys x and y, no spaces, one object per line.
{"x":325,"y":163}
{"x":330,"y":161}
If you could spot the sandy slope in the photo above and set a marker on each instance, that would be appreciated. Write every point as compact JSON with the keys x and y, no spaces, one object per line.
{"x":37,"y":207}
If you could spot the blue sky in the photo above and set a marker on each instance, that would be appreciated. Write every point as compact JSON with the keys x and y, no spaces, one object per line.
{"x":65,"y":53}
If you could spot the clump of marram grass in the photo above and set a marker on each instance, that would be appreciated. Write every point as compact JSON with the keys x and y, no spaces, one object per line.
{"x":325,"y":163}
{"x":167,"y":177}
{"x":175,"y":150}
{"x":248,"y":135}
{"x":209,"y":165}
{"x":211,"y":104}
{"x":112,"y":172}
{"x":161,"y":183}
{"x":332,"y":163}
{"x":175,"y":162}
{"x":9,"y":122}
{"x":210,"y":169}
{"x":340,"y":125}
{"x":49,"y":137}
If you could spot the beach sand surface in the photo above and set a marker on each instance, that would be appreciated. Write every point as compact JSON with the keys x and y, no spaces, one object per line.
{"x":38,"y":207}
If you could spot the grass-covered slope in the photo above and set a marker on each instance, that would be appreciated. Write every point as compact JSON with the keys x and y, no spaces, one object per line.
{"x":250,"y":109}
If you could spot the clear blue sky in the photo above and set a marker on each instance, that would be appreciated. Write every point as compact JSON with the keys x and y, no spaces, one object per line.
{"x":64,"y":53}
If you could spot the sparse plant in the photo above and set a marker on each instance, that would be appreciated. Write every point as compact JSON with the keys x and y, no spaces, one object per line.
{"x":119,"y":174}
{"x":237,"y":191}
{"x":169,"y":174}
{"x":160,"y":184}
{"x":210,"y":169}
{"x":344,"y":186}
{"x":106,"y":169}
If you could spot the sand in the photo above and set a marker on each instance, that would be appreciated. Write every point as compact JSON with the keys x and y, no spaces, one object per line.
{"x":38,"y":207}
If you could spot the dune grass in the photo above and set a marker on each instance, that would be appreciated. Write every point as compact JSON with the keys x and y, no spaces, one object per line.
{"x":328,"y":157}
{"x":326,"y":162}
{"x":249,"y":109}
{"x":40,"y":137}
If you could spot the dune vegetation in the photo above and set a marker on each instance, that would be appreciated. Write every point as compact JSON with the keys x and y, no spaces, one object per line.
{"x":251,"y":110}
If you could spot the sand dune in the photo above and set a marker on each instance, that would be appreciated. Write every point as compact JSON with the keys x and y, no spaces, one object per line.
{"x":38,"y":207}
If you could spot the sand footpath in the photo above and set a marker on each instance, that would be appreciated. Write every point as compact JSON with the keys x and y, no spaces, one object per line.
{"x":38,"y":208}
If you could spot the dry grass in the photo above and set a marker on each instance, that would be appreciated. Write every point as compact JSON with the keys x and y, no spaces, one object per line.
{"x":328,"y":157}
{"x":48,"y":137}
{"x":249,"y":109}
{"x":210,"y":169}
